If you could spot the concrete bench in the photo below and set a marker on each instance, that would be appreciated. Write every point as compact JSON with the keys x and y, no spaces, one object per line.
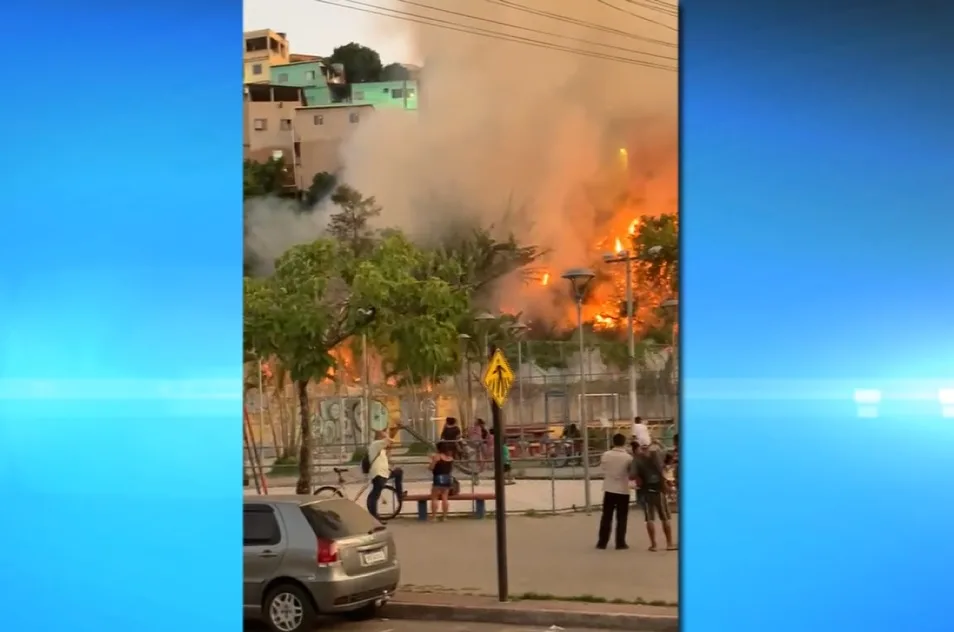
{"x":479,"y":499}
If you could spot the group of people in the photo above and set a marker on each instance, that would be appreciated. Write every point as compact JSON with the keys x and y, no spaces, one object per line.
{"x":645,"y":464}
{"x":654,"y":470}
{"x":441,"y":465}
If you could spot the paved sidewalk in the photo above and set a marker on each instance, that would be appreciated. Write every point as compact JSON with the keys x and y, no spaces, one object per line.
{"x":536,"y":496}
{"x":538,"y":614}
{"x":551,"y":556}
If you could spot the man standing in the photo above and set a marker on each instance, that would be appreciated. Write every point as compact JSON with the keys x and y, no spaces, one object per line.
{"x":648,"y":470}
{"x":616,"y":464}
{"x":640,"y":436}
{"x":380,"y":470}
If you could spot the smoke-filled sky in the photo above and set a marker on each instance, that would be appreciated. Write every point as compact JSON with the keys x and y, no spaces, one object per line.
{"x":507,"y":123}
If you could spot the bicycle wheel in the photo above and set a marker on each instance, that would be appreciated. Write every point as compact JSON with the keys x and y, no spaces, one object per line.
{"x":561,"y":455}
{"x":328,"y":491}
{"x":389,"y":503}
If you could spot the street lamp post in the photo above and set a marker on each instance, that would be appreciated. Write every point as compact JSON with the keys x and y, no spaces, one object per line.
{"x":518,"y":329}
{"x":627,"y":257}
{"x":484,"y":318}
{"x":365,"y":317}
{"x":672,"y":305}
{"x":579,"y":279}
{"x":465,"y":371}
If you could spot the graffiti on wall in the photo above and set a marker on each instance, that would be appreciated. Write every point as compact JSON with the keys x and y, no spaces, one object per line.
{"x":340,"y":420}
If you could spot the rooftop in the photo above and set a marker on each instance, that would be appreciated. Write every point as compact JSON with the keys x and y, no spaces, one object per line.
{"x":332,"y":106}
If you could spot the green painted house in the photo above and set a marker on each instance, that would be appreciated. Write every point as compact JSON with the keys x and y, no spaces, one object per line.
{"x":386,"y":94}
{"x":313,"y":76}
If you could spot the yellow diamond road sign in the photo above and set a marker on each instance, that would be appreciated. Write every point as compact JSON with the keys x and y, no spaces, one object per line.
{"x":498,"y":378}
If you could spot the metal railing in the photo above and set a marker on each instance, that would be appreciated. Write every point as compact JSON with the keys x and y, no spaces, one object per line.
{"x":547,"y":471}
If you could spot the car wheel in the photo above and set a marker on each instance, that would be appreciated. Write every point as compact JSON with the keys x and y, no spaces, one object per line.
{"x":363,"y":613}
{"x":288,"y":608}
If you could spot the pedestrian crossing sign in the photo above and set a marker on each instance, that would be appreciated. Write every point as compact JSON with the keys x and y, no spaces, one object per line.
{"x":498,"y":378}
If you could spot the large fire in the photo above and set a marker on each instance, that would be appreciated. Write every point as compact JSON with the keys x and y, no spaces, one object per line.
{"x":605,"y":305}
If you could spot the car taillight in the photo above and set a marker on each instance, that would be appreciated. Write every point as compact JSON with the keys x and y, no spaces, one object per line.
{"x":327,"y":552}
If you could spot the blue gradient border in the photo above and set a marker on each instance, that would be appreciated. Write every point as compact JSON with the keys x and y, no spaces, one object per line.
{"x":816,"y":227}
{"x":120,"y":334}
{"x":817,"y":316}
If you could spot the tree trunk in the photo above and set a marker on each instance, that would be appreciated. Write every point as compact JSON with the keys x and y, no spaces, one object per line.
{"x":305,"y":453}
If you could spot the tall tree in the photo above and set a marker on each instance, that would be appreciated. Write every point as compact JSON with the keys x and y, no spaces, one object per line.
{"x":656,"y":243}
{"x":362,"y":64}
{"x":395,"y":72}
{"x":350,"y":225}
{"x":417,"y":313}
{"x":322,"y":185}
{"x":298,"y":315}
{"x":265,"y":178}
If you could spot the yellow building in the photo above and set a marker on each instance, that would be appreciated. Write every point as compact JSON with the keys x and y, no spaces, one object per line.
{"x":260,"y":51}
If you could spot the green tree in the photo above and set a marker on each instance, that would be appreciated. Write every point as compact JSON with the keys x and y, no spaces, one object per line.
{"x":395,"y":72}
{"x":417,"y":313}
{"x":656,"y":242}
{"x":322,"y":185}
{"x":298,"y":315}
{"x":480,"y":259}
{"x":265,"y":178}
{"x":361,"y":64}
{"x":350,"y":225}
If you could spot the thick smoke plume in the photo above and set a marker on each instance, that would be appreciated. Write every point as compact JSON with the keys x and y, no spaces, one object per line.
{"x":508,"y":126}
{"x":525,"y":138}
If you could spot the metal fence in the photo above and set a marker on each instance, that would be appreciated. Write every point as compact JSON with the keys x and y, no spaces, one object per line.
{"x":547,"y":478}
{"x":540,"y":404}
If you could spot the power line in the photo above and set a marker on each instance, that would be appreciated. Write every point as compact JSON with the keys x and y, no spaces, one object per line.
{"x":638,"y":16}
{"x":532,"y":30}
{"x":576,"y":21}
{"x":454,"y":26}
{"x":656,"y":5}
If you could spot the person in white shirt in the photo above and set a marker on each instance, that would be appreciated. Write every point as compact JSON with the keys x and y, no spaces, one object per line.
{"x":380,"y":471}
{"x":616,"y":464}
{"x":640,"y":438}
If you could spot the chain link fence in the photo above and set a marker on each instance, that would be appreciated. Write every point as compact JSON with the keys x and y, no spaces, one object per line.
{"x":541,"y":403}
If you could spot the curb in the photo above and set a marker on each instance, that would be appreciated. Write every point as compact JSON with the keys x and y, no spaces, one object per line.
{"x":530,"y":616}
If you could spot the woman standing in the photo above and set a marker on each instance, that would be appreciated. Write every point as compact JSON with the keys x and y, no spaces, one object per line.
{"x":442,"y":465}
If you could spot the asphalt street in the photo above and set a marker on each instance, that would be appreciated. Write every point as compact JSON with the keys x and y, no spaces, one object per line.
{"x":385,"y":625}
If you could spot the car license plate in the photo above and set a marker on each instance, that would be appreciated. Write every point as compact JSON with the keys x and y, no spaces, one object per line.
{"x":376,"y":557}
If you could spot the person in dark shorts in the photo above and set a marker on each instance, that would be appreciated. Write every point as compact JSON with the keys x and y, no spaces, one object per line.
{"x":442,"y":479}
{"x":649,"y":472}
{"x":451,"y":434}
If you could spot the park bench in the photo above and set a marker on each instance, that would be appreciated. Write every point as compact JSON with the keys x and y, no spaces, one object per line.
{"x":478,"y":498}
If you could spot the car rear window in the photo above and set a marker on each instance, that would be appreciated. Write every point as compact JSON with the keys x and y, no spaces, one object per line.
{"x":339,"y":518}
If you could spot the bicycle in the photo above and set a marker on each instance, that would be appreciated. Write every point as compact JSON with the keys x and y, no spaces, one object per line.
{"x":389,"y":502}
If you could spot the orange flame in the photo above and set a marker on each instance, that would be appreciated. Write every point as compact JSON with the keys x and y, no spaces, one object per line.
{"x":633,"y":226}
{"x":619,"y":246}
{"x":546,"y":278}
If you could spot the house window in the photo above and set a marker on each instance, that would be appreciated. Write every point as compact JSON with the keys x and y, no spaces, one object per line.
{"x":297,"y":148}
{"x":397,"y":93}
{"x":319,"y":119}
{"x":286,"y":125}
{"x":358,"y":95}
{"x":353,"y":117}
{"x":310,"y":75}
{"x":385,"y":90}
{"x":256,"y":69}
{"x":410,"y":93}
{"x":283,"y":77}
{"x":261,"y":125}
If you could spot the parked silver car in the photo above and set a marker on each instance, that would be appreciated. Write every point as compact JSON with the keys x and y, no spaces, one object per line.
{"x":305,"y":557}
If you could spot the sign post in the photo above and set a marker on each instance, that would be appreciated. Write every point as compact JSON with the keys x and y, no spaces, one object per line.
{"x":498,"y":378}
